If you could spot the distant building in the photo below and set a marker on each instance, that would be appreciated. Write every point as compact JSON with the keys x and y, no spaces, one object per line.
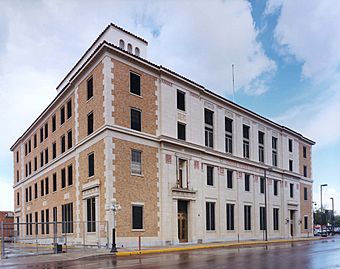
{"x":7,"y":218}
{"x":178,"y":162}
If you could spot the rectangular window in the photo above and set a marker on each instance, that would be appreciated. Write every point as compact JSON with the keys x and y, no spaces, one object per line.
{"x":274,"y":151}
{"x":35,"y":140}
{"x":135,"y":84}
{"x":29,"y":168}
{"x":30,"y":193}
{"x":42,"y":220}
{"x":47,"y":221}
{"x":17,"y":156}
{"x":305,"y":170}
{"x":35,"y":163}
{"x":262,"y":184}
{"x":290,"y":145}
{"x":89,"y":88}
{"x":180,"y":100}
{"x":305,"y":193}
{"x":69,"y":139}
{"x":247,"y":217}
{"x":136,"y":119}
{"x":62,"y":144}
{"x":91,"y":214}
{"x":276,"y":187}
{"x":18,"y":199}
{"x":291,"y":190}
{"x":136,"y":162}
{"x":69,"y":109}
{"x":26,"y":195}
{"x":26,"y":149}
{"x":70,"y":175}
{"x":137,"y":217}
{"x":182,"y":174}
{"x":29,"y":146}
{"x":54,"y":183}
{"x":291,"y":165}
{"x":304,"y":152}
{"x":261,"y":147}
{"x":36,"y":223}
{"x":230,"y":217}
{"x":63,"y":178}
{"x":210,"y":216}
{"x":46,"y":130}
{"x":41,"y":134}
{"x":54,"y":150}
{"x":41,"y":159}
{"x":54,"y":123}
{"x":26,"y":170}
{"x":41,"y":188}
{"x":46,"y":155}
{"x":67,"y":218}
{"x":209,"y":129}
{"x":62,"y":115}
{"x":246,"y":151}
{"x":27,"y":223}
{"x":262,"y":218}
{"x":30,"y":226}
{"x":247,"y":182}
{"x":210,"y":175}
{"x":18,"y":177}
{"x":229,"y":179}
{"x":35,"y":190}
{"x":90,"y":123}
{"x":181,"y":131}
{"x":91,"y":164}
{"x":228,"y":135}
{"x":305,"y":222}
{"x":46,"y":186}
{"x":55,"y":214}
{"x":275,"y":219}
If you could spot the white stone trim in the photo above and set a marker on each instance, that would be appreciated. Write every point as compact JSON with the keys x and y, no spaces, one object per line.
{"x":108,"y":88}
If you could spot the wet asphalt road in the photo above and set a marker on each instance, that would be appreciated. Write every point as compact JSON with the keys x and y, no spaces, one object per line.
{"x":317,"y":254}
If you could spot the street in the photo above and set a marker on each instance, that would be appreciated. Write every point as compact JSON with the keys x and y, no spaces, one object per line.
{"x":317,"y":254}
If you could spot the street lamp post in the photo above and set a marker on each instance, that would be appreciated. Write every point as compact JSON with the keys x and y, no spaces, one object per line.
{"x":332,"y":215}
{"x":322,"y":185}
{"x":114,"y":245}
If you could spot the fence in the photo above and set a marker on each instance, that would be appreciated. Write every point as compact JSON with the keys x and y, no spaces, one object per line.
{"x":32,"y":238}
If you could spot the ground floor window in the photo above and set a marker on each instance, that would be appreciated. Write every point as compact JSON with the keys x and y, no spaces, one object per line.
{"x":67,"y":218}
{"x":230,"y":216}
{"x":91,"y":214}
{"x":247,"y":217}
{"x":276,"y":219}
{"x":137,"y":217}
{"x":210,"y":216}
{"x":262,"y":218}
{"x":306,"y":223}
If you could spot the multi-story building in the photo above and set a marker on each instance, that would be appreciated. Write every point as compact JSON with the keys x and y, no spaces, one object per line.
{"x":178,"y":162}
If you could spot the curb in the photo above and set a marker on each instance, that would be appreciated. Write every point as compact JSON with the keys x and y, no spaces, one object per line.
{"x":223,"y":245}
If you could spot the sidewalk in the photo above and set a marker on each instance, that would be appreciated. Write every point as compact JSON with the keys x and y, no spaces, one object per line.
{"x":80,"y":253}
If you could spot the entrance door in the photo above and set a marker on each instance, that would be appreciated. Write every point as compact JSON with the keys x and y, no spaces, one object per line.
{"x":292,"y":221}
{"x":182,"y":216}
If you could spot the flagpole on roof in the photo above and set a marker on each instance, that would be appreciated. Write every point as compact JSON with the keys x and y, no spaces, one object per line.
{"x":233,"y":77}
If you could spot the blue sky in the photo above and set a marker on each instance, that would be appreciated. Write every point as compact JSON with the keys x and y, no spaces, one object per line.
{"x":285,"y":53}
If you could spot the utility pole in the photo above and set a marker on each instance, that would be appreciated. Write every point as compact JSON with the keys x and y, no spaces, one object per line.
{"x":323,"y":185}
{"x":332,"y":215}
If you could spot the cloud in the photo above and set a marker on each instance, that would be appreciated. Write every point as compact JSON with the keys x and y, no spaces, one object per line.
{"x":308,"y":31}
{"x":42,"y":40}
{"x":6,"y":194}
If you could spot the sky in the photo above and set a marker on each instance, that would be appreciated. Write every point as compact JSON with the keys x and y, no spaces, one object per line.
{"x":286,"y":56}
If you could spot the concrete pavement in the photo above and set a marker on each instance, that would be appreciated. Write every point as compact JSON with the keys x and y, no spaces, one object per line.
{"x":81,"y":253}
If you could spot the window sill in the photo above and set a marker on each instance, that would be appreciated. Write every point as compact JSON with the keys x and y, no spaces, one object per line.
{"x":137,"y":175}
{"x":137,"y":230}
{"x":136,"y":95}
{"x":211,"y":231}
{"x":90,"y":99}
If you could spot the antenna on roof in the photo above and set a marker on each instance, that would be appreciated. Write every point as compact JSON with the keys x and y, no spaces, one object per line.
{"x":233,"y":77}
